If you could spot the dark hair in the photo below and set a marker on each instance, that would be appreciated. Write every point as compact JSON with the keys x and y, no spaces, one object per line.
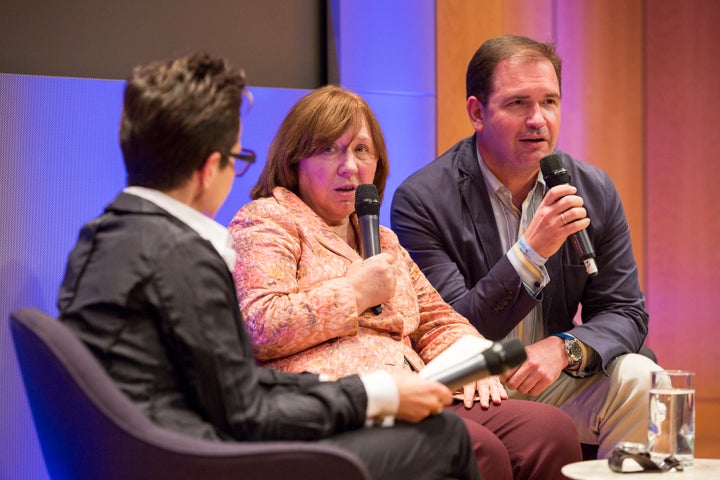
{"x":479,"y":77}
{"x":316,"y":121}
{"x":175,"y":114}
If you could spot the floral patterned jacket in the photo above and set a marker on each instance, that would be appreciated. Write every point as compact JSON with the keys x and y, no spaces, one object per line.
{"x":300,"y":310}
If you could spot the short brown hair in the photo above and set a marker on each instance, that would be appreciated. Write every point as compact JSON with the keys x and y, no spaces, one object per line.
{"x":175,"y":114}
{"x":316,"y":121}
{"x":479,"y":76}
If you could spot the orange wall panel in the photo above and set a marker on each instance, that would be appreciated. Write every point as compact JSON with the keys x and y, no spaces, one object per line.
{"x":462,"y":26}
{"x":683,"y":212}
{"x":601,"y":45}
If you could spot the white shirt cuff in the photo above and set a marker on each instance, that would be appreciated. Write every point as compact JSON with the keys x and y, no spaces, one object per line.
{"x":530,"y":266}
{"x":383,"y":398}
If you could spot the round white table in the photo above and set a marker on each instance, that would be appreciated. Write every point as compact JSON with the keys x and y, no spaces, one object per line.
{"x":702,"y":469}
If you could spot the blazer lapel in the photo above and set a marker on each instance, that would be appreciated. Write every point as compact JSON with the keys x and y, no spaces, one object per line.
{"x":321,"y":231}
{"x":329,"y":239}
{"x":476,"y":199}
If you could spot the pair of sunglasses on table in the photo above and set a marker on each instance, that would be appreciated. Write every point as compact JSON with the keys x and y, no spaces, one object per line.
{"x":639,"y":456}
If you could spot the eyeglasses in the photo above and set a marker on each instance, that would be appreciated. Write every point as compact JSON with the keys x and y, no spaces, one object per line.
{"x":247,"y":157}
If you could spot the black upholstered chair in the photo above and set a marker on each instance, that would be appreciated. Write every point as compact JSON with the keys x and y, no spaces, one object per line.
{"x":89,"y":430}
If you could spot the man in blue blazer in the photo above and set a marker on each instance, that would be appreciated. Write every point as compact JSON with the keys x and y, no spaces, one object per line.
{"x":490,"y":235}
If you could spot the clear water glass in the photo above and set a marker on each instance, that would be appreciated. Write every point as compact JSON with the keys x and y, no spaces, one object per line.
{"x":671,"y":426}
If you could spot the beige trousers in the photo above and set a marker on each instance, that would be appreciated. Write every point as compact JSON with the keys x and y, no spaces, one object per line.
{"x":606,"y":409}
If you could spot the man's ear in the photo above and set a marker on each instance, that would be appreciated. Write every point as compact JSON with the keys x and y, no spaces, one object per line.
{"x":209,"y":170}
{"x":475,"y":112}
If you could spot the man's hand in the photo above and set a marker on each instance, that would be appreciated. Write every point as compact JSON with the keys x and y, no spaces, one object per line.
{"x":546,"y":359}
{"x":488,"y":389}
{"x":419,"y":398}
{"x":560,"y":214}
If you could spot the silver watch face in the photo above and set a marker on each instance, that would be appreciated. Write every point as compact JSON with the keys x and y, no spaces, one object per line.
{"x":572,"y":347}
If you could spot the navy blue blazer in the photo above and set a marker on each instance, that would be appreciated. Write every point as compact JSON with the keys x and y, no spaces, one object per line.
{"x":443,"y":217}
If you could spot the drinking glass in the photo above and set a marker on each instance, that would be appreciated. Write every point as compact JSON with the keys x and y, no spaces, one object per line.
{"x":671,"y":426}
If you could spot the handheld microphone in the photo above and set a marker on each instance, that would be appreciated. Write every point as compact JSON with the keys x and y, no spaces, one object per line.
{"x":555,"y":174}
{"x":500,"y":357}
{"x":367,"y":207}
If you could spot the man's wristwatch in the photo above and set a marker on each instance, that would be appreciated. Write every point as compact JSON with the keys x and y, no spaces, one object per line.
{"x":572,"y":349}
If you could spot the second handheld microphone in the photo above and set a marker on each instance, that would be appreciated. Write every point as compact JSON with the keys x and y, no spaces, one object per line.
{"x":367,"y":207}
{"x":554,"y":174}
{"x":500,"y":357}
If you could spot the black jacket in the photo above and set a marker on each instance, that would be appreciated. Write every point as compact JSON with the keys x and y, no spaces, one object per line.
{"x":156,"y":304}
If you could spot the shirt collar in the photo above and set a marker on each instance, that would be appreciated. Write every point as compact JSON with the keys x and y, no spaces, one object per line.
{"x":491,"y":181}
{"x":203,"y":225}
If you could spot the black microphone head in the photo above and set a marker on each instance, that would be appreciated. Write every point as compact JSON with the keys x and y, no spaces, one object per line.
{"x":504,"y":355}
{"x":512,"y":352}
{"x":553,"y":170}
{"x":367,"y":200}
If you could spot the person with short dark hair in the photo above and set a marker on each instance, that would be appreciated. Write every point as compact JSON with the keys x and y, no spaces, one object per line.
{"x":491,"y":235}
{"x":148,"y":288}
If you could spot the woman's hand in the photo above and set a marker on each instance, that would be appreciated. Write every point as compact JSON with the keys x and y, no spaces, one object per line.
{"x":373,"y":280}
{"x":484,"y":391}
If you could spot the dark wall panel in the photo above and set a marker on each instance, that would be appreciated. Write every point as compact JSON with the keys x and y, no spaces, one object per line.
{"x":280,"y":43}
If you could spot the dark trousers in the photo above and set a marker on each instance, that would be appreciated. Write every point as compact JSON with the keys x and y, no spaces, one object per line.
{"x":436,"y":448}
{"x":520,"y":439}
